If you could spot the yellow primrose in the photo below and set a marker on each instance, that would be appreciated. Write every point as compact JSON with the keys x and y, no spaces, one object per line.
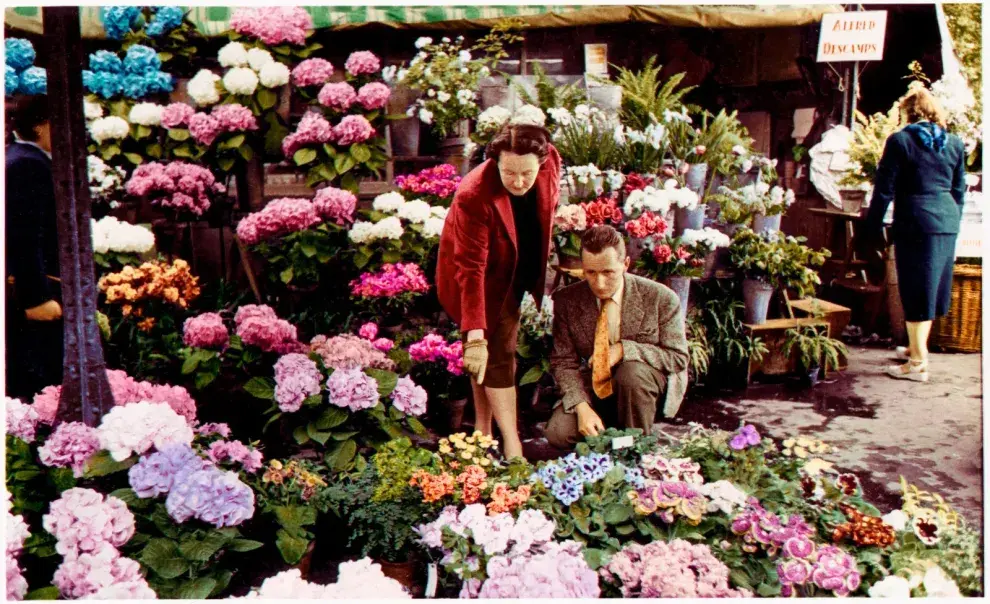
{"x":484,"y":462}
{"x":466,"y":456}
{"x":460,"y":444}
{"x":477,"y":434}
{"x":275,"y":464}
{"x":816,"y":466}
{"x":801,"y":452}
{"x":445,"y":449}
{"x":788,"y":443}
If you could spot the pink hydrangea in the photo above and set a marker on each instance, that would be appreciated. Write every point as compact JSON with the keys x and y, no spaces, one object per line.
{"x":374,"y":95}
{"x":678,"y":569}
{"x":70,"y":446}
{"x":352,"y":389}
{"x":353,"y":129}
{"x":273,"y":25}
{"x":338,"y":96}
{"x":362,"y":62}
{"x":296,"y":378}
{"x":235,"y":451}
{"x":205,"y":331}
{"x":269,"y":334}
{"x":249,"y":311}
{"x":177,"y":185}
{"x":176,"y":114}
{"x":434,"y":348}
{"x":441,"y":181}
{"x":17,"y":585}
{"x":82,"y":520}
{"x":279,"y":218}
{"x":383,"y":344}
{"x":391,"y":280}
{"x":312,"y":128}
{"x":89,"y":573}
{"x":335,"y":205}
{"x":348,"y":351}
{"x":213,"y":428}
{"x":558,"y":572}
{"x":312,"y":72}
{"x":22,"y":419}
{"x":408,"y":397}
{"x":204,"y":128}
{"x":368,"y":331}
{"x":234,"y":117}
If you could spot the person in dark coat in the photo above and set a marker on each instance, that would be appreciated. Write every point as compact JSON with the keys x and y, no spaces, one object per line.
{"x":923,"y":172}
{"x":32,"y":310}
{"x":494,"y":247}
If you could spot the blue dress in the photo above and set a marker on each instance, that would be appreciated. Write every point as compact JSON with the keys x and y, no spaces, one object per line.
{"x":923,"y":172}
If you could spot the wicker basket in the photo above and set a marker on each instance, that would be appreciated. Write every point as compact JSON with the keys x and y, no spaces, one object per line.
{"x":962,"y":329}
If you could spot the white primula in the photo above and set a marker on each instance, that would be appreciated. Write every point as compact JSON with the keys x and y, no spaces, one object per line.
{"x":146,"y":114}
{"x":892,"y":586}
{"x":492,"y":119}
{"x":233,"y":55}
{"x":92,"y":111}
{"x":723,"y":496}
{"x":388,"y":202}
{"x":649,"y":198}
{"x":443,"y":96}
{"x":202,"y":88}
{"x":433,"y":227}
{"x":108,"y":128}
{"x":113,"y":235}
{"x":274,"y":75}
{"x":240,"y":80}
{"x":415,"y":211}
{"x":711,"y":238}
{"x":938,"y":585}
{"x":361,"y":232}
{"x":137,"y":427}
{"x":424,"y":41}
{"x":425,"y":116}
{"x":528,"y":115}
{"x":465,"y":96}
{"x":388,"y":228}
{"x":560,"y":115}
{"x":258,"y":58}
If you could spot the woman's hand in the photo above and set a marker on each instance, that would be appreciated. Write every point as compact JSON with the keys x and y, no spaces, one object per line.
{"x":476,"y":358}
{"x":46,"y":311}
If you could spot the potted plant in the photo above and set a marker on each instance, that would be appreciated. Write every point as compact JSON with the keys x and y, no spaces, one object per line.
{"x":865,"y":149}
{"x":730,"y":349}
{"x":285,"y":493}
{"x":764,"y":203}
{"x":814,"y":349}
{"x":674,"y":264}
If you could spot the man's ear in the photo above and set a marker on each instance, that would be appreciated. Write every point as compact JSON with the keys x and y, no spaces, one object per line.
{"x":627,"y":262}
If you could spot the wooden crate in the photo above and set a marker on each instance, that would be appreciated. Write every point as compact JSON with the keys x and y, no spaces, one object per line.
{"x":837,"y":316}
{"x":773,"y":333}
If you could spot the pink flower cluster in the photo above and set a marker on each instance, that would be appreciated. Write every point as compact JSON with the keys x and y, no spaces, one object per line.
{"x":352,"y":389}
{"x":656,"y":469}
{"x":602,"y":210}
{"x":570,"y":218}
{"x":205,"y":331}
{"x":348,"y":351}
{"x":441,"y":181}
{"x":408,"y":397}
{"x":16,"y":533}
{"x":126,"y":390}
{"x":353,"y":129}
{"x":338,"y":96}
{"x":391,"y":280}
{"x":296,"y":378}
{"x":83,"y":521}
{"x":176,"y":185}
{"x":273,"y":25}
{"x":101,"y":571}
{"x":362,"y":62}
{"x":678,"y":569}
{"x":70,"y":446}
{"x":234,"y":451}
{"x":374,"y":95}
{"x":312,"y":72}
{"x":559,"y":571}
{"x":647,"y":225}
{"x":434,"y":348}
{"x":369,"y":331}
{"x":312,"y":128}
{"x":22,"y":419}
{"x":279,"y":218}
{"x":205,"y":128}
{"x":212,"y":428}
{"x":258,"y":325}
{"x":177,"y":114}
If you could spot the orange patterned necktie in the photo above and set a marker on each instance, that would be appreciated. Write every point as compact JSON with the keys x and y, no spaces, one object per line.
{"x":601,"y":372}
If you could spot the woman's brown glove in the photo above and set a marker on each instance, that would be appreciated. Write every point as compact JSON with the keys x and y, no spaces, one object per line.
{"x":476,"y":358}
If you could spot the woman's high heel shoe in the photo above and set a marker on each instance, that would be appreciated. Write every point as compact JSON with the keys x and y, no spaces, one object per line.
{"x":912,"y":370}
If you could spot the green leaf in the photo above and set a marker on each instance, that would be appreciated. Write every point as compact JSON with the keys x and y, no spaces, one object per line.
{"x":234,"y":141}
{"x":223,"y":580}
{"x":617,"y":513}
{"x":244,"y":545}
{"x":246,"y":152}
{"x":345,"y":435}
{"x":300,"y":434}
{"x":341,"y":455}
{"x":162,"y":556}
{"x":417,"y":426}
{"x":192,"y":362}
{"x":183,"y":152}
{"x":165,"y":56}
{"x":295,"y":516}
{"x":266,"y":98}
{"x":625,"y":529}
{"x":360,"y":153}
{"x":45,"y":593}
{"x":391,"y":256}
{"x":143,"y":131}
{"x":202,"y":550}
{"x":134,"y":158}
{"x":226,"y":163}
{"x":387,"y":380}
{"x":164,"y":522}
{"x":102,"y":464}
{"x":532,"y":376}
{"x":308,"y":249}
{"x":259,"y":387}
{"x":154,"y":150}
{"x":595,"y":558}
{"x":130,"y":498}
{"x":196,"y":590}
{"x":286,"y":275}
{"x":739,"y":579}
{"x":203,"y":380}
{"x":767,"y":591}
{"x":331,"y":418}
{"x":342,"y":163}
{"x":317,"y":435}
{"x":292,"y":548}
{"x":304,"y":156}
{"x":178,"y":134}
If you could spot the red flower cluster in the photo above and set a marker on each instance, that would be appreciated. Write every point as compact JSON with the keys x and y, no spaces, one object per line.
{"x":646,"y":225}
{"x":635,"y":182}
{"x":602,"y":210}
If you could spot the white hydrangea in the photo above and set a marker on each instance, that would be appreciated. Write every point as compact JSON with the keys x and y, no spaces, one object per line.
{"x":233,"y":55}
{"x":438,"y":211}
{"x":17,"y":530}
{"x":355,"y":578}
{"x":258,"y":58}
{"x":433,"y":227}
{"x":274,"y":75}
{"x":892,"y":586}
{"x":113,"y":235}
{"x":423,"y":41}
{"x":240,"y":80}
{"x":388,"y":202}
{"x":416,"y":211}
{"x":361,"y":232}
{"x":388,"y":228}
{"x":711,"y":238}
{"x":92,"y":111}
{"x":131,"y":590}
{"x":136,"y":427}
{"x":582,"y":174}
{"x":493,"y":118}
{"x":202,"y":88}
{"x":108,"y":128}
{"x":723,"y":496}
{"x":146,"y":114}
{"x":650,"y":198}
{"x":289,"y":585}
{"x":528,"y":115}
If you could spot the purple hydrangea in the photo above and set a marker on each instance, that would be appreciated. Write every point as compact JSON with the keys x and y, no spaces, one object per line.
{"x":745,"y":437}
{"x":352,"y":389}
{"x":408,"y":397}
{"x":211,"y":429}
{"x":296,"y":378}
{"x":155,"y":474}
{"x":213,"y":496}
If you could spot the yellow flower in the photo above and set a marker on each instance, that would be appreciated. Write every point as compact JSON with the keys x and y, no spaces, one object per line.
{"x":816,"y":466}
{"x":458,"y":436}
{"x":444,"y":441}
{"x":788,"y":443}
{"x":804,"y":441}
{"x":445,"y":449}
{"x":460,"y":444}
{"x":477,"y":434}
{"x":466,"y":456}
{"x":275,"y":464}
{"x":484,"y":462}
{"x":801,"y":452}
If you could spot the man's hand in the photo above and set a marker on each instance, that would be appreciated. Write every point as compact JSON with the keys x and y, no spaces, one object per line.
{"x":615,"y":354}
{"x":46,"y":311}
{"x":476,"y":358}
{"x":589,"y":424}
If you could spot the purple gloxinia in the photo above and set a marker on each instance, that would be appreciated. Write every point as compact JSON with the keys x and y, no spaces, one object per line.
{"x":747,"y":436}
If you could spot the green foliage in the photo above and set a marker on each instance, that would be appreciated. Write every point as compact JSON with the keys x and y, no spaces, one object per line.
{"x":778,"y":260}
{"x":698,"y":347}
{"x":551,"y":95}
{"x":728,"y":344}
{"x":395,"y":464}
{"x":814,"y":347}
{"x":645,"y":98}
{"x":868,"y":141}
{"x":719,"y":134}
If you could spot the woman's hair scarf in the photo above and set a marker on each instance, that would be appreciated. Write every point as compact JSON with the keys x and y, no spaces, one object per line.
{"x":932,"y":135}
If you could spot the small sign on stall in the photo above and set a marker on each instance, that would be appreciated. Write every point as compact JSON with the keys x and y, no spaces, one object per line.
{"x":596,"y":59}
{"x":852,"y":36}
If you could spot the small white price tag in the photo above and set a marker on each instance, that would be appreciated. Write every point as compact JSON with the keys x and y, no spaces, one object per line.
{"x":431,"y":580}
{"x":622,"y":442}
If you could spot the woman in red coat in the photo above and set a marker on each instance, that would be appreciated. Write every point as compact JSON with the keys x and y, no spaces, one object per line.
{"x":494,"y":248}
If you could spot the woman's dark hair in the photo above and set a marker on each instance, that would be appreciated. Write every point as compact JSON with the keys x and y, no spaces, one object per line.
{"x":520,"y":139}
{"x":25,"y":114}
{"x":598,"y":239}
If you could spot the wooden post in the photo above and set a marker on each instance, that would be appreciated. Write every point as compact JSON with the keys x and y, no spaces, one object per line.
{"x":86,"y":392}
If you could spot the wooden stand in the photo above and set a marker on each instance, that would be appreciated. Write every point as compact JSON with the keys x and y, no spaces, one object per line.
{"x":773,"y":333}
{"x":837,"y":317}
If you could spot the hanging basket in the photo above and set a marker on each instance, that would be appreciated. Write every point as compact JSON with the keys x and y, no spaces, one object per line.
{"x":961,"y":330}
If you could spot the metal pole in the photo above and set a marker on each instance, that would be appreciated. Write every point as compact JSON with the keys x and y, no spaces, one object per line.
{"x":855,"y":95}
{"x":86,"y":392}
{"x":845,"y":94}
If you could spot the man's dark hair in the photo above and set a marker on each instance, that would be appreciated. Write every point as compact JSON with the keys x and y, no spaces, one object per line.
{"x":520,"y":139}
{"x":24,"y":114}
{"x":598,"y":239}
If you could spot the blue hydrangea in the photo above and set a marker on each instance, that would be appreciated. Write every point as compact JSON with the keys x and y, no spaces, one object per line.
{"x":104,"y":60}
{"x":165,"y":20}
{"x":118,"y":20}
{"x":212,"y":496}
{"x":19,"y":53}
{"x":136,"y":86}
{"x":103,"y":83}
{"x":10,"y":80}
{"x":160,"y":82}
{"x":34,"y":80}
{"x":141,"y":60}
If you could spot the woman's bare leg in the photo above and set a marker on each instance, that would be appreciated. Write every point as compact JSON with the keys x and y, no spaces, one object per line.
{"x":502,"y":403}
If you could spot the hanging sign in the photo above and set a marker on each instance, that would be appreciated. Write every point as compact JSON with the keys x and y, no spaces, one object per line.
{"x":852,"y":36}
{"x":596,"y":59}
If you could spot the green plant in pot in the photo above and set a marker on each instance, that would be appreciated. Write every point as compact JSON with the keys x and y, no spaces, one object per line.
{"x":730,"y":349}
{"x":814,"y":349}
{"x":285,"y":493}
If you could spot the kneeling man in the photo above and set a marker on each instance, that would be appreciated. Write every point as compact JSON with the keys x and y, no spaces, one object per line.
{"x":618,"y":346}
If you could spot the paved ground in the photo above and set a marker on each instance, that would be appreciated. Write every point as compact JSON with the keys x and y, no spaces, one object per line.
{"x":932,"y":434}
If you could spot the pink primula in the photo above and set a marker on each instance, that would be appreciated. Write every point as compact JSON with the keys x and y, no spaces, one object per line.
{"x":391,"y":280}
